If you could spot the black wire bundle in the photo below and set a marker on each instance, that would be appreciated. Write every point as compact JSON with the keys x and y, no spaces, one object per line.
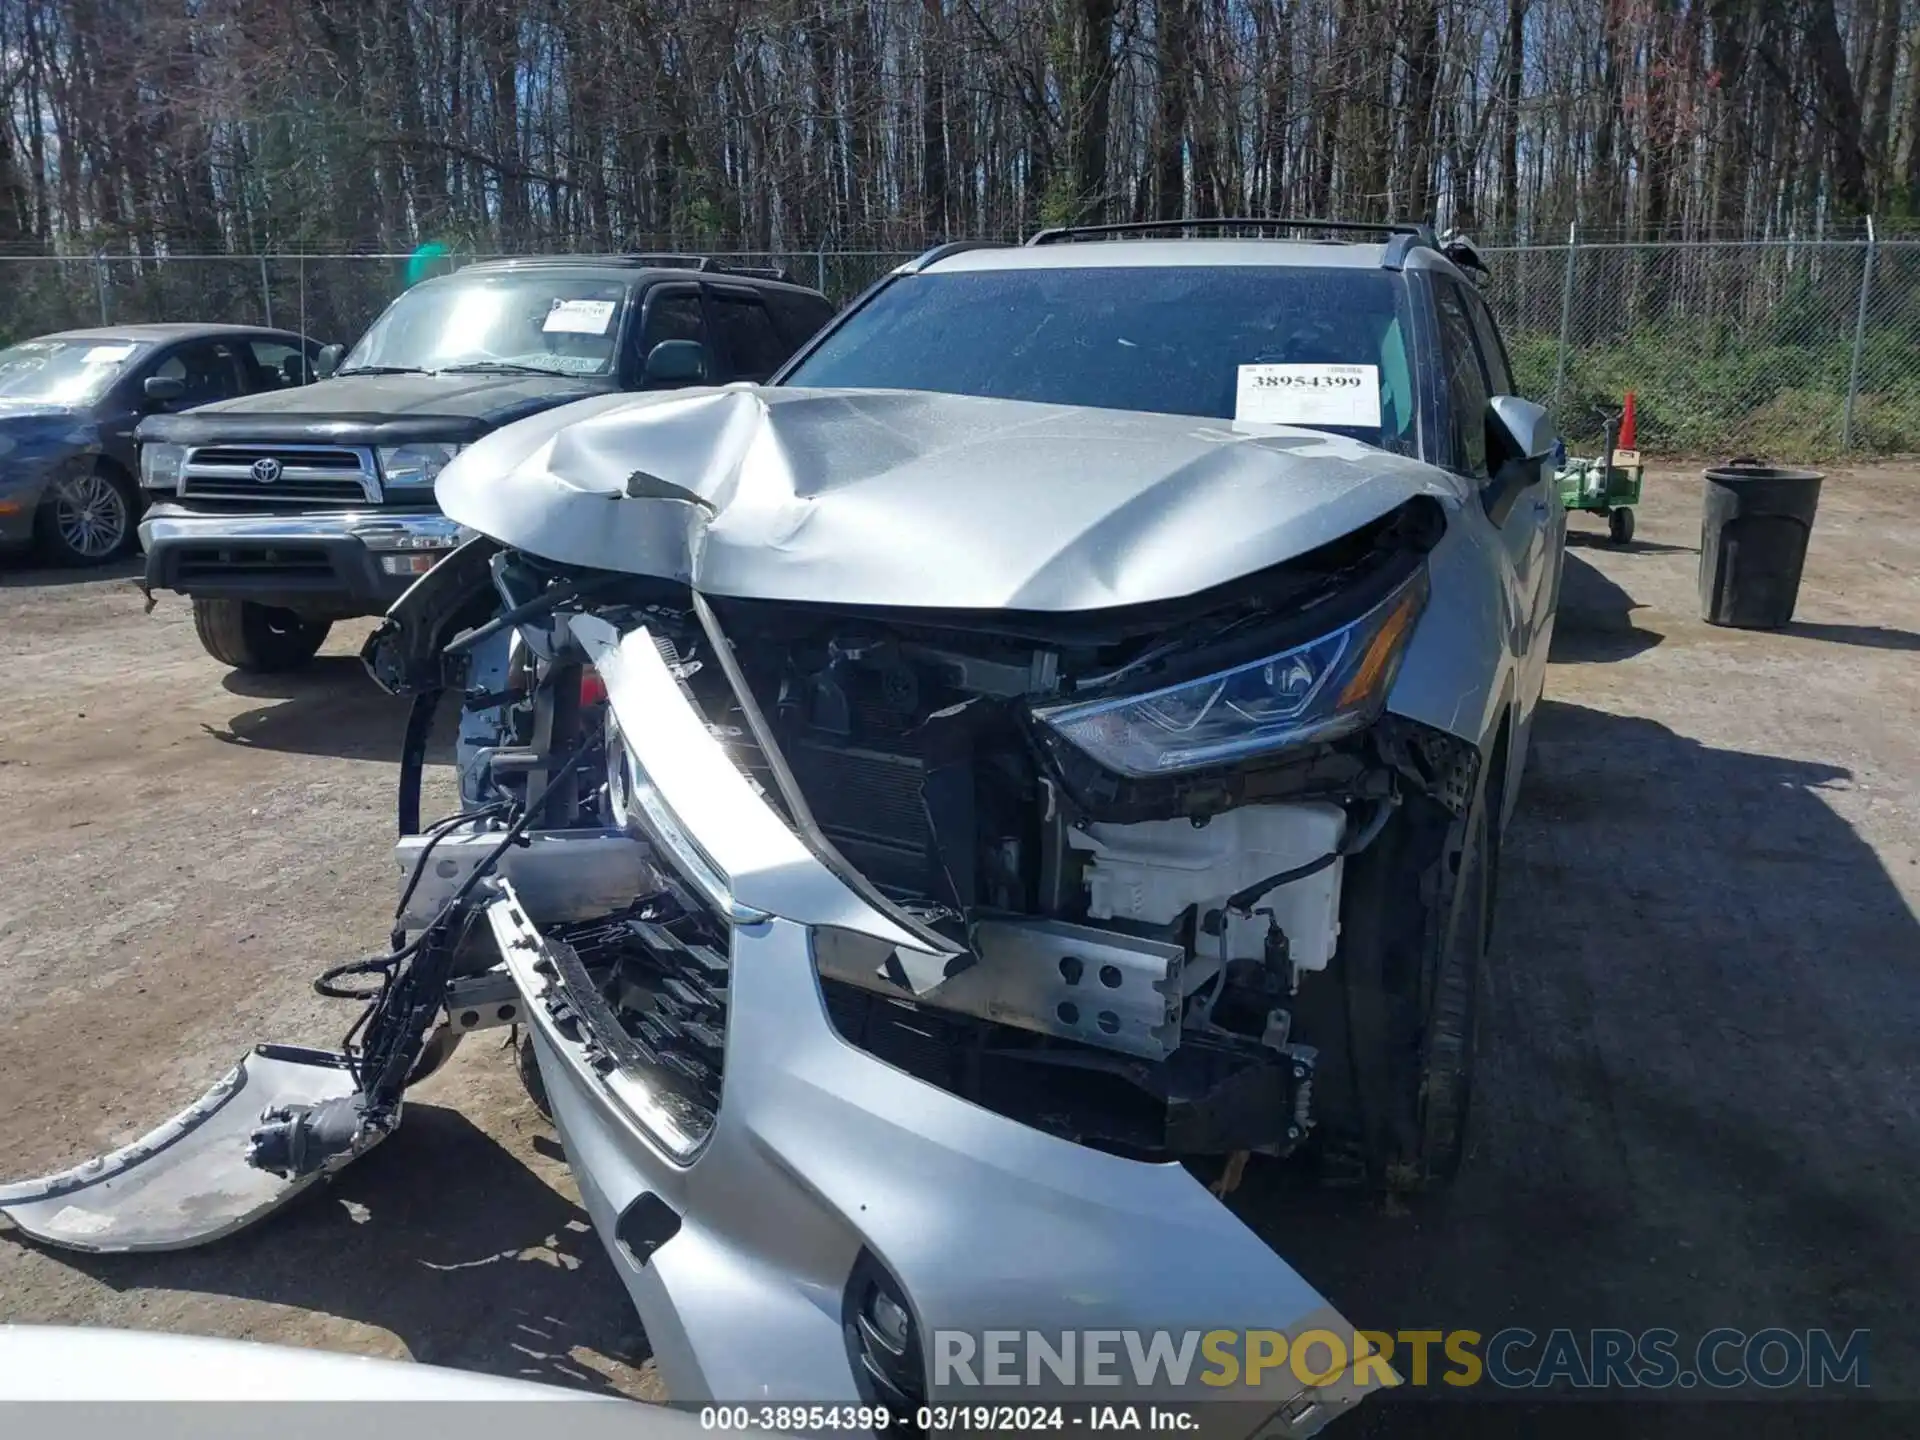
{"x":398,"y":1012}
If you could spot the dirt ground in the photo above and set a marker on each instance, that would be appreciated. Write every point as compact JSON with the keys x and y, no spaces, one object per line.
{"x":1697,"y":1104}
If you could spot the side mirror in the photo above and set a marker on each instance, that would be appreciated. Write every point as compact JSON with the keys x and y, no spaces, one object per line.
{"x":328,"y":360}
{"x":164,"y":388}
{"x":676,"y":362}
{"x":1520,"y":439}
{"x":1518,"y":430}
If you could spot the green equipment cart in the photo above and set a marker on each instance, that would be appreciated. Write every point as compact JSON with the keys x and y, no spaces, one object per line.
{"x":1607,"y":485}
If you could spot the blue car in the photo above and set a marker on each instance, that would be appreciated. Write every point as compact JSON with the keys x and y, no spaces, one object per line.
{"x":69,"y":403}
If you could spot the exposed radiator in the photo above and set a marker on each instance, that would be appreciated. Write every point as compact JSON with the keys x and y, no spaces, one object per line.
{"x":868,"y":803}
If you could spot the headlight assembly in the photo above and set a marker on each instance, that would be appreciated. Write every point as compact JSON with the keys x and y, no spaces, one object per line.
{"x":160,"y":466}
{"x":407,"y":466}
{"x":1328,"y":687}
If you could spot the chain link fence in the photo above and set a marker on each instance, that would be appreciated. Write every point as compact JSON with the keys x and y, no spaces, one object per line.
{"x":1790,"y":349}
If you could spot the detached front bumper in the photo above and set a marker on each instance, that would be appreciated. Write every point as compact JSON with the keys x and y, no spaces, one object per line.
{"x":746,"y":1249}
{"x":355,"y":562}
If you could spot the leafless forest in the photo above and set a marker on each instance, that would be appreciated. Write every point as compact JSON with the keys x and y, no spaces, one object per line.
{"x":214,"y":126}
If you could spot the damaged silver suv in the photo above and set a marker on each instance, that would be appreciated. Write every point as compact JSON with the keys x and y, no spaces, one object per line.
{"x":1062,"y":725}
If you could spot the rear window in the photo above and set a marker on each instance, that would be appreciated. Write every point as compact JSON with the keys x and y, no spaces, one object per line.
{"x":1321,"y":348}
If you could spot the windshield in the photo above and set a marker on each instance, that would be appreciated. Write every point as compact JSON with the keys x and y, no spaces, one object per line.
{"x":62,"y":372}
{"x":1322,"y":348}
{"x":546,"y":323}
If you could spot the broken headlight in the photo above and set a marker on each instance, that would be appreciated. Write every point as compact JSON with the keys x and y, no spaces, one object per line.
{"x":1327,"y":687}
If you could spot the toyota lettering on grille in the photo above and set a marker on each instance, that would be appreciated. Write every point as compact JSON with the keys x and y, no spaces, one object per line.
{"x":266,"y":470}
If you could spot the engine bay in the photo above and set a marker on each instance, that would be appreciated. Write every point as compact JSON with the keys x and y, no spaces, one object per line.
{"x":1124,"y":956}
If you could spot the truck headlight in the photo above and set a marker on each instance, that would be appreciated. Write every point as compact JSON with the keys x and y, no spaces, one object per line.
{"x":1325,"y":688}
{"x":408,"y":466}
{"x":160,"y":465}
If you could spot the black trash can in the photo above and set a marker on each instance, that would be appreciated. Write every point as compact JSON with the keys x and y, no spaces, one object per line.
{"x":1753,"y":543}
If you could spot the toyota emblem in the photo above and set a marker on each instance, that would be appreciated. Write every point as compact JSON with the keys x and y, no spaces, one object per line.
{"x":266,"y":470}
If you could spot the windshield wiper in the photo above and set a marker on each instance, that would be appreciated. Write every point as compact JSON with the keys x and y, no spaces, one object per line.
{"x":384,"y":370}
{"x":502,"y":366}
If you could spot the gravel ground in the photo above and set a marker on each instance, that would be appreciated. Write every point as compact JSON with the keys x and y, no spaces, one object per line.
{"x":1697,"y":1101}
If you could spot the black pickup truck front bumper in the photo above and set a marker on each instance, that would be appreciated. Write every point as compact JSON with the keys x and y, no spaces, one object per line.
{"x":328,"y":565}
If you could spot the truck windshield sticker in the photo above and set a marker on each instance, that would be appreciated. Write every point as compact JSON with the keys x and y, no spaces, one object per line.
{"x":106,"y":354}
{"x":580,"y":317}
{"x":1309,"y":395}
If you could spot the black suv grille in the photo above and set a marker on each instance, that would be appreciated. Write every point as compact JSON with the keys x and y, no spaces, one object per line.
{"x":245,"y":456}
{"x":320,"y":474}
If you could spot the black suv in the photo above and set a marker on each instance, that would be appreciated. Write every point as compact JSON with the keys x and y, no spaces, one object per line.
{"x":282,"y":512}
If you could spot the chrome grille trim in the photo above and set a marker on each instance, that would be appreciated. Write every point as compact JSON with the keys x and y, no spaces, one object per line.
{"x":309,"y":474}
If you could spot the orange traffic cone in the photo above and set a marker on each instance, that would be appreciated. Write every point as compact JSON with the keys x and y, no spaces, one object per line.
{"x":1628,"y":431}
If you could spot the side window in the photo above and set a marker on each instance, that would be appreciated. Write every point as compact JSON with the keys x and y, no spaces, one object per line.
{"x":276,"y":365}
{"x":672,"y":315}
{"x":754,"y":347}
{"x":799,"y":315}
{"x":210,"y":369}
{"x":1466,"y":381}
{"x":671,"y":312}
{"x":1492,"y":350}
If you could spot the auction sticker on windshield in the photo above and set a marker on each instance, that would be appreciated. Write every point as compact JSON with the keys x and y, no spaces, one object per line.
{"x":106,"y":354}
{"x":1309,"y":395}
{"x":580,"y":317}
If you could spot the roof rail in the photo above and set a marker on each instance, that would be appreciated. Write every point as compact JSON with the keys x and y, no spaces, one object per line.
{"x":1422,"y":234}
{"x":643,"y":259}
{"x":951,"y":247}
{"x":627,"y":258}
{"x":672,"y":261}
{"x":756,"y":272}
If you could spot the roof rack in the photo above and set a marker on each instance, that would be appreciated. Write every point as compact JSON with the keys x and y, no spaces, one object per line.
{"x":1060,"y":233}
{"x":951,"y":247}
{"x":672,"y":261}
{"x":653,"y":260}
{"x":708,"y":264}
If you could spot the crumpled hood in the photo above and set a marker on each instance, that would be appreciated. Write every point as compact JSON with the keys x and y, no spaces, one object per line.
{"x":901,"y":498}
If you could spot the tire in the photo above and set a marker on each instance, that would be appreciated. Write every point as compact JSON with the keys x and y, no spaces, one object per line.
{"x":258,"y":639}
{"x":87,"y":516}
{"x":1395,"y":1079}
{"x":1620,"y":526}
{"x":530,"y":1077}
{"x":435,"y":1053}
{"x":1447,"y":1046}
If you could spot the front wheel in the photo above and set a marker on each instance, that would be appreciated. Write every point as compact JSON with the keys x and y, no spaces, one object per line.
{"x":528,"y":1063}
{"x":1446,"y":1059}
{"x":87,"y":517}
{"x":256,"y":638}
{"x":1396,"y":1072}
{"x":1620,"y":526}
